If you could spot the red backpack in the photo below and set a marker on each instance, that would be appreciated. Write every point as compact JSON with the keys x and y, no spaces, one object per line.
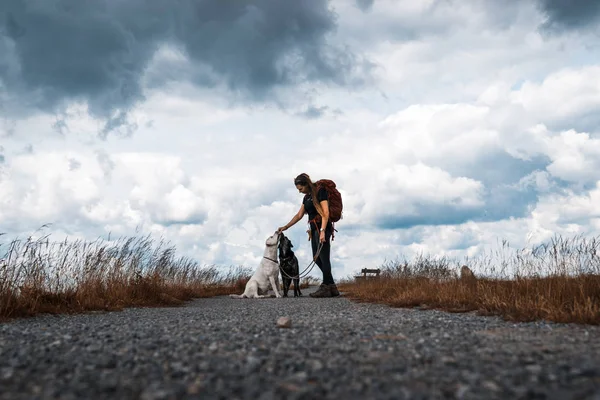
{"x":334,"y":198}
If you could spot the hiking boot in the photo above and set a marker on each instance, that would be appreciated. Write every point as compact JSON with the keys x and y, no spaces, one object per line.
{"x":334,"y":290}
{"x":322,"y":291}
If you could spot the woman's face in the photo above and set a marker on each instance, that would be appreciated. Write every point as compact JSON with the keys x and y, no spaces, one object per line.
{"x":302,"y":189}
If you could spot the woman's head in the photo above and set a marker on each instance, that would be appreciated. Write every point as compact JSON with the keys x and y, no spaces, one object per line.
{"x":306,"y":186}
{"x":303,"y":183}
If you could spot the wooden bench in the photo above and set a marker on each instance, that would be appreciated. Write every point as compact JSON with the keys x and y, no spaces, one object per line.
{"x":368,"y":274}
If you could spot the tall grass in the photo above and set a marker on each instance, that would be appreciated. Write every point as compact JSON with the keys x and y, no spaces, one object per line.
{"x":42,"y":276}
{"x":556,"y":281}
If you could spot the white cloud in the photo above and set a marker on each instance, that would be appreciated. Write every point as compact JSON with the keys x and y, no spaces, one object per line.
{"x":565,"y":94}
{"x":400,"y":190}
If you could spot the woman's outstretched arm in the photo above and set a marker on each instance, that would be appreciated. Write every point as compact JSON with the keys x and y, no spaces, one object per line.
{"x":294,"y":219}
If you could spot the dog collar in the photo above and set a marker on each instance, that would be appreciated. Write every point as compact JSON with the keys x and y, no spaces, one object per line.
{"x":270,"y":259}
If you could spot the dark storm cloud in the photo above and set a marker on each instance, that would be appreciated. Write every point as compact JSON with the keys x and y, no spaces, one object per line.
{"x":58,"y":51}
{"x":313,"y":112}
{"x":197,"y":219}
{"x":426,"y":214}
{"x":586,"y":121}
{"x":502,"y":200}
{"x":496,"y":167}
{"x":28,"y":149}
{"x":570,"y":14}
{"x":365,"y":5}
{"x":500,"y":203}
{"x":74,"y":164}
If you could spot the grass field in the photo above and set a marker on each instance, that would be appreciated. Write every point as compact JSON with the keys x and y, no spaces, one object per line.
{"x":558,"y":281}
{"x":41,"y":276}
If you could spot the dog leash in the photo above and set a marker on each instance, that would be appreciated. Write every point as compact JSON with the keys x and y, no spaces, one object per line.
{"x":306,"y":271}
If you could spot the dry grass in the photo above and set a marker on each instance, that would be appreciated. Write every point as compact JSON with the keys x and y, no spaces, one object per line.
{"x":558,"y":281}
{"x":40,"y":276}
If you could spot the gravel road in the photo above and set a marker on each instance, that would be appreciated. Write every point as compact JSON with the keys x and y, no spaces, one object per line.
{"x":221,"y":348}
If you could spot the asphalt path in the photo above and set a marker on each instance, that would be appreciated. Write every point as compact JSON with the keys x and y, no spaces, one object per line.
{"x":222,"y":348}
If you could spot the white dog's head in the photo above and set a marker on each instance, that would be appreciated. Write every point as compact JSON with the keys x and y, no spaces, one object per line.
{"x":273,"y":239}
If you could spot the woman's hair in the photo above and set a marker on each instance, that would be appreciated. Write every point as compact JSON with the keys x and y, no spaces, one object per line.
{"x":304,"y":180}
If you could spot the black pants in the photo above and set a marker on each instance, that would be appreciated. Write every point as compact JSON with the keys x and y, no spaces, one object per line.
{"x":323,"y":261}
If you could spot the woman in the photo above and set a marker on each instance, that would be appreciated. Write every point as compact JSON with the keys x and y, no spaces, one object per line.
{"x":320,"y":230}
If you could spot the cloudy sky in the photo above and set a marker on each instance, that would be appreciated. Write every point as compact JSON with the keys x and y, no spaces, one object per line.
{"x":448,"y":125}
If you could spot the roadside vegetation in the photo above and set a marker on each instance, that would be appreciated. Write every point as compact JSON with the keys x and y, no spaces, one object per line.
{"x":557,"y":281}
{"x":42,"y":276}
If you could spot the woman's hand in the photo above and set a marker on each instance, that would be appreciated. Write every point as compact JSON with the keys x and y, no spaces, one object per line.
{"x":281,"y":229}
{"x":322,"y":236}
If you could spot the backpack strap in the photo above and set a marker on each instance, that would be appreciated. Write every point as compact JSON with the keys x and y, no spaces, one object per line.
{"x":318,"y":217}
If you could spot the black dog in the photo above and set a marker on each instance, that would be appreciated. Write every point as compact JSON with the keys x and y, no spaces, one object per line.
{"x":289,"y":266}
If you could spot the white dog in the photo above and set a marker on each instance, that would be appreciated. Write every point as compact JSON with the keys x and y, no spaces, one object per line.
{"x":266,"y":273}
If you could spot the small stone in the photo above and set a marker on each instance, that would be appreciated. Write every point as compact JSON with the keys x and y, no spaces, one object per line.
{"x":448,"y":360}
{"x":253,"y":363}
{"x":7,"y":373}
{"x":300,"y":376}
{"x":461,"y":390}
{"x":213,"y":346}
{"x":194,"y":388}
{"x":534,"y":368}
{"x":491,"y":385}
{"x":315,"y":365}
{"x":284,"y":322}
{"x":290,"y":387}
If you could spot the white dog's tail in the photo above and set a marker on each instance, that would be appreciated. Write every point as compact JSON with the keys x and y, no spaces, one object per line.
{"x":237,"y":296}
